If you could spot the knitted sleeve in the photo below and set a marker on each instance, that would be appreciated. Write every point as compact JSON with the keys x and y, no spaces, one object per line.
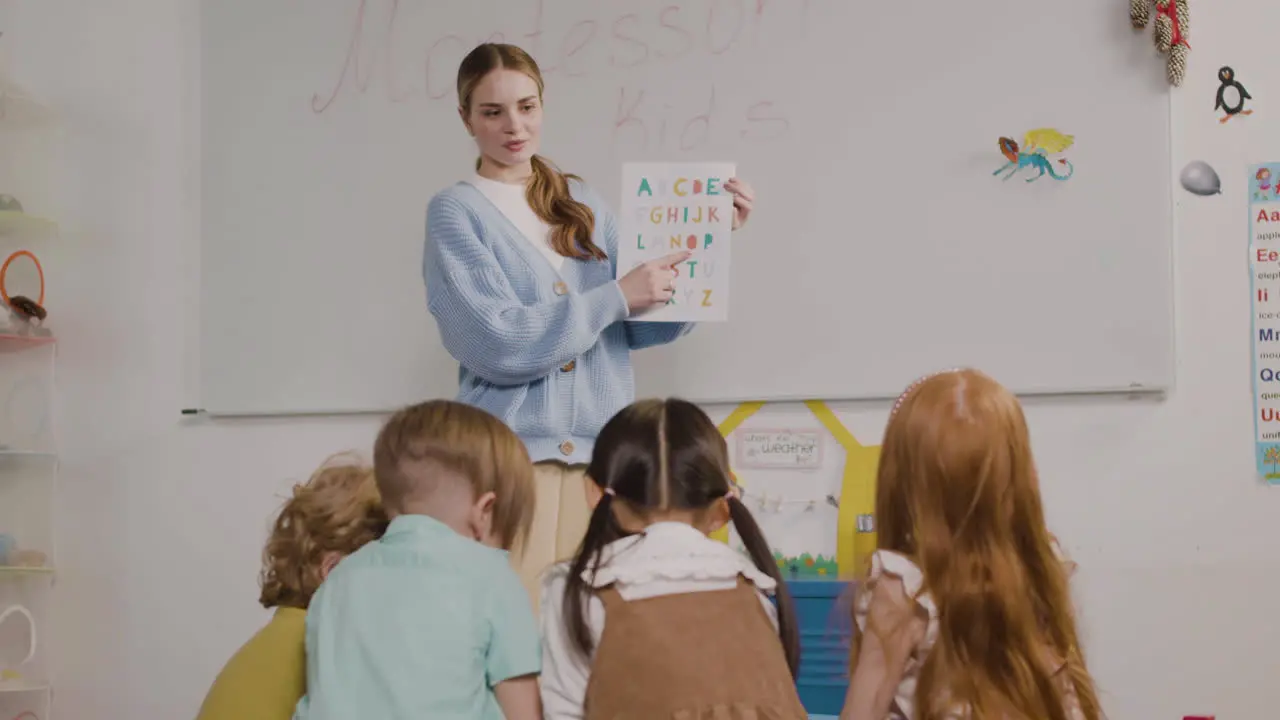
{"x":640,"y":334}
{"x":482,"y":321}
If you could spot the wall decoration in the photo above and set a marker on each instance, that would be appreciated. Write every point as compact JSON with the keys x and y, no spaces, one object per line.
{"x":9,"y":203}
{"x":1199,"y":178}
{"x":1231,"y":95}
{"x":1265,"y":185}
{"x":806,"y":566}
{"x":1172,"y":32}
{"x":779,"y":449}
{"x":1037,"y":145}
{"x":855,"y":525}
{"x":1264,"y":296}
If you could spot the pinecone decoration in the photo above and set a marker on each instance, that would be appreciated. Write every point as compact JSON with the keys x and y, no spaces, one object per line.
{"x":1178,"y":64}
{"x":1171,"y":32}
{"x":1164,"y":34}
{"x":1139,"y":13}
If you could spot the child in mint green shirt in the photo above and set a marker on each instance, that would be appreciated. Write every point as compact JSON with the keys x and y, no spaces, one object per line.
{"x":432,"y":620}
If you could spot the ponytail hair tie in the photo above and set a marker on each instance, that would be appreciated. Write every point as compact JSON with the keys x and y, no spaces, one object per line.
{"x":610,"y":492}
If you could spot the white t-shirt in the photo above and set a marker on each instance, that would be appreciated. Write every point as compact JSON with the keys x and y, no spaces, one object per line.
{"x":667,"y":559}
{"x":510,"y":199}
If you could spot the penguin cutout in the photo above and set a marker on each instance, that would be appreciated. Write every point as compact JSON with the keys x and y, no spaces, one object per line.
{"x":1231,"y":95}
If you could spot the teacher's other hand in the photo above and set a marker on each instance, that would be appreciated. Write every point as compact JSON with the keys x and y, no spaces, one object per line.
{"x":744,"y":199}
{"x":652,"y":283}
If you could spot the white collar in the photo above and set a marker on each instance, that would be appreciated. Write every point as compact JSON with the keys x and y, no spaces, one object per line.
{"x":673,"y":551}
{"x":482,"y":182}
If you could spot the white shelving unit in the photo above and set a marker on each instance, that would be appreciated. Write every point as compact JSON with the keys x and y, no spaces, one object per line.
{"x":28,"y":453}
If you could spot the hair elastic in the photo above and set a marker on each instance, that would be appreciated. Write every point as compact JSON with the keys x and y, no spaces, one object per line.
{"x":610,"y":492}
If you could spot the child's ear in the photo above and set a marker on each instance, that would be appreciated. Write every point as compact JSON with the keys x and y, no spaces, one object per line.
{"x":481,"y":519}
{"x":717,"y":515}
{"x":593,"y":491}
{"x":328,"y":563}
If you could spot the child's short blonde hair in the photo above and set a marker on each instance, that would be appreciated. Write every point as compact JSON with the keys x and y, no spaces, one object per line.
{"x":337,"y":510}
{"x":442,"y":440}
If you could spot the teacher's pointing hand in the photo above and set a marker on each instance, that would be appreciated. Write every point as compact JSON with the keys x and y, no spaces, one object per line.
{"x":652,"y":283}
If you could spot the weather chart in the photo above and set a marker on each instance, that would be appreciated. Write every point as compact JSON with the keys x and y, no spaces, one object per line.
{"x":1264,"y":282}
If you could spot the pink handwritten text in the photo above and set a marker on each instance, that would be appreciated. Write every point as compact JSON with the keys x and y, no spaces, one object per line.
{"x":576,"y":48}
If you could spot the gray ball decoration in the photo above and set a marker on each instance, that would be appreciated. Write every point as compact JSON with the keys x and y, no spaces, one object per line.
{"x":1199,"y":178}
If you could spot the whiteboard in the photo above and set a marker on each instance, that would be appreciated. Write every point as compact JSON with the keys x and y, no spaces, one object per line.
{"x":883,"y":246}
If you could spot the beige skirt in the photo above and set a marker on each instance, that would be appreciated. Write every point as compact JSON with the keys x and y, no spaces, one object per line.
{"x":559,"y":521}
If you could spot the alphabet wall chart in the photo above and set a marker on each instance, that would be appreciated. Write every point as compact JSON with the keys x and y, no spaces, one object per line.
{"x":1264,"y":286}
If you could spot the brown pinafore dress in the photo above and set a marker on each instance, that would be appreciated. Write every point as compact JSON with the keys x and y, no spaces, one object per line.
{"x":708,"y":655}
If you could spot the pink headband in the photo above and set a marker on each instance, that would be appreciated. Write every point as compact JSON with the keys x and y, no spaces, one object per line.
{"x":919,"y":381}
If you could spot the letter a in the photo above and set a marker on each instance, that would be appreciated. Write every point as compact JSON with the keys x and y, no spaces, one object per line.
{"x":644,"y":188}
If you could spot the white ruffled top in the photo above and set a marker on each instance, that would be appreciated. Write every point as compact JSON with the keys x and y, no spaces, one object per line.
{"x":667,"y":559}
{"x":672,"y":557}
{"x":884,"y":562}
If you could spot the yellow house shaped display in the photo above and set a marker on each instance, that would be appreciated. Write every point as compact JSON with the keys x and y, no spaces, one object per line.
{"x":855,"y":525}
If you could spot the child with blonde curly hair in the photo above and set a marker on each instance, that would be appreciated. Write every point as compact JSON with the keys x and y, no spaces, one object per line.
{"x":332,"y":515}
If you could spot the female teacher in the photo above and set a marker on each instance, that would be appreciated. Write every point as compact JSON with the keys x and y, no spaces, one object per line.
{"x":519,"y":267}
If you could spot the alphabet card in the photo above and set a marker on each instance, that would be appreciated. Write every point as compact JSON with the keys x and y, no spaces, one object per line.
{"x":670,"y":207}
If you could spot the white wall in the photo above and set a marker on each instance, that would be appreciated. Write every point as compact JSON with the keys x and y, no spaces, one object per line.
{"x":161,"y":523}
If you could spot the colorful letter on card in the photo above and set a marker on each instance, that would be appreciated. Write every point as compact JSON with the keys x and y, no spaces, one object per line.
{"x":671,"y":207}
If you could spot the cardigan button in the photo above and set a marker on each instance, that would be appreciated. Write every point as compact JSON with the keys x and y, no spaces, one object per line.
{"x":569,"y":366}
{"x":560,"y":288}
{"x":566,"y":448}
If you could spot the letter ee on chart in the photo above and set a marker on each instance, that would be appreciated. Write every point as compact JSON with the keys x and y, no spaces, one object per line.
{"x":670,"y":207}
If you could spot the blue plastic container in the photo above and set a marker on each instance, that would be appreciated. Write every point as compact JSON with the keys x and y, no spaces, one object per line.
{"x":826,"y":626}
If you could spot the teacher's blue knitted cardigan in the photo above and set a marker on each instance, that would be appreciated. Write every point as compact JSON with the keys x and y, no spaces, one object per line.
{"x":555,"y":367}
